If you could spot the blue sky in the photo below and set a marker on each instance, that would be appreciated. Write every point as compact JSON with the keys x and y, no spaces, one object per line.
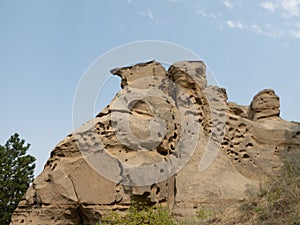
{"x":45,"y":47}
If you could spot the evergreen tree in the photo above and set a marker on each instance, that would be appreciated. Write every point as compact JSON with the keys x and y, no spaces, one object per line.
{"x":16,"y":174}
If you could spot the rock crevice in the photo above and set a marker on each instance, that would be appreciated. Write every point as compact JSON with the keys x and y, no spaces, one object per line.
{"x":169,"y":138}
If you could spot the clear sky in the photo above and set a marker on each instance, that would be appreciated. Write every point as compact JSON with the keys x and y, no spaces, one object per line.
{"x":45,"y":47}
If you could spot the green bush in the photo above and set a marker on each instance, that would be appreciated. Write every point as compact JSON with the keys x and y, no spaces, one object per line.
{"x":137,"y":214}
{"x":203,"y":214}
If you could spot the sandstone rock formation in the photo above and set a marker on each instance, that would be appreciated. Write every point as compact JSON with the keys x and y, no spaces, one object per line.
{"x":166,"y":138}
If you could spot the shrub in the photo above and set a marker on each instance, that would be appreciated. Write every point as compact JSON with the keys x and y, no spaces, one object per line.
{"x":279,"y":199}
{"x":139,"y":214}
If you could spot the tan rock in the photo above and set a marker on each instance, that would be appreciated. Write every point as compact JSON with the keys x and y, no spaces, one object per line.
{"x":166,"y":138}
{"x":264,"y":104}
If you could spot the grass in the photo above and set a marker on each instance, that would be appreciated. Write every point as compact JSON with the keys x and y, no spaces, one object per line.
{"x":139,"y":214}
{"x":278,"y":201}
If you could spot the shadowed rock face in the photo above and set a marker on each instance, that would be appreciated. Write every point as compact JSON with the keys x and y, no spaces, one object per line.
{"x":148,"y":145}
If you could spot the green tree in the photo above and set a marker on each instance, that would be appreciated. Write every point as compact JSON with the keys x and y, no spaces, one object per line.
{"x":16,"y":174}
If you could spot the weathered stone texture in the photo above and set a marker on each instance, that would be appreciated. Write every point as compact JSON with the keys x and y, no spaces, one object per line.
{"x":245,"y":144}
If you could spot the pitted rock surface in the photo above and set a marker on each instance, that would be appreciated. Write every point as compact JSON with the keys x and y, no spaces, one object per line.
{"x":158,"y":120}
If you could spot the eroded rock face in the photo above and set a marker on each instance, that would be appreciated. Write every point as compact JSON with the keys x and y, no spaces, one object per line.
{"x":166,"y":138}
{"x":264,"y":104}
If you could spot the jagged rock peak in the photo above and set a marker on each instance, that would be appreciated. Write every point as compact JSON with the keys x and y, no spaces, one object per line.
{"x":195,"y":69}
{"x":139,"y":71}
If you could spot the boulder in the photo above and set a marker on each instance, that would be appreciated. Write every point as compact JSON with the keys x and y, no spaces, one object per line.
{"x":264,"y":104}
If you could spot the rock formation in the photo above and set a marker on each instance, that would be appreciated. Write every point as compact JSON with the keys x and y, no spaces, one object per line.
{"x":166,"y":138}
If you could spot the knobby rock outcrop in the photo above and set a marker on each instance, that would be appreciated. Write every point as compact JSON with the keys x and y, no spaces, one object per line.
{"x":167,"y":138}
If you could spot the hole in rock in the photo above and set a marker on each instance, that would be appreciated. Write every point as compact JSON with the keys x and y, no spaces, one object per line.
{"x":246,"y":156}
{"x":175,"y":135}
{"x":249,"y":145}
{"x":172,"y":147}
{"x":157,"y":190}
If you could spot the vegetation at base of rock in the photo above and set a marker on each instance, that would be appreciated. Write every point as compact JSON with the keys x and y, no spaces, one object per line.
{"x":277,"y":203}
{"x":279,"y":200}
{"x":203,"y":214}
{"x":139,"y":214}
{"x":16,"y":173}
{"x":143,"y":214}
